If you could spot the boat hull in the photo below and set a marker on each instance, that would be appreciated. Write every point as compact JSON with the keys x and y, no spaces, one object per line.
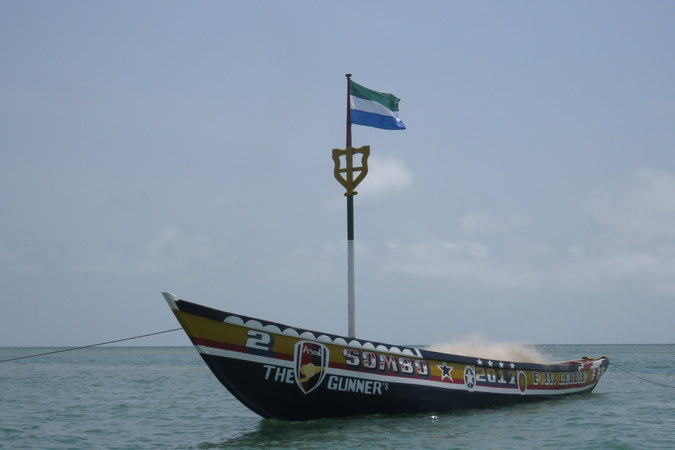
{"x":289,"y":373}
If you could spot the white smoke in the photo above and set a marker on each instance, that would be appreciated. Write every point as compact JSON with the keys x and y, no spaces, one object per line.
{"x":478,"y":346}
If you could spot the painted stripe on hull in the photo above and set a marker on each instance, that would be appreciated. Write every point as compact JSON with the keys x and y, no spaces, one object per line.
{"x":399,"y":379}
{"x":273,"y":393}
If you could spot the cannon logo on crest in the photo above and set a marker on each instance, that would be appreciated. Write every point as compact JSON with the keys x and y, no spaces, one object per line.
{"x":311,"y":360}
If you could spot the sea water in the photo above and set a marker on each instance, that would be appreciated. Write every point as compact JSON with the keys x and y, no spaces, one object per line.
{"x":157,"y":397}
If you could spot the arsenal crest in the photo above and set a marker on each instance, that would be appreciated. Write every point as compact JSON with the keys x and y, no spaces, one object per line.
{"x":311,"y":360}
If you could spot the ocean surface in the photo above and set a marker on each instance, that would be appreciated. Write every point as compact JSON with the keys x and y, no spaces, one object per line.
{"x":159,"y":397}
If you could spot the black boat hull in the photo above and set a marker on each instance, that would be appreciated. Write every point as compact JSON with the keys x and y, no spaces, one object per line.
{"x":288,"y":373}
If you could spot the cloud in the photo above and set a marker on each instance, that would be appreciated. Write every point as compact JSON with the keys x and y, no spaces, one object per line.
{"x":630,"y":248}
{"x":642,"y":206}
{"x":484,"y":222}
{"x":464,"y":261}
{"x":386,"y":176}
{"x":642,"y":272}
{"x":19,"y":258}
{"x":311,"y":263}
{"x":628,"y":251}
{"x":436,"y":258}
{"x":169,"y":250}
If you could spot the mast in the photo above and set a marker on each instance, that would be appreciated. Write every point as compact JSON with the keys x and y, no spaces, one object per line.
{"x":345,"y":175}
{"x":351,"y":289}
{"x":350,"y":176}
{"x":349,"y":113}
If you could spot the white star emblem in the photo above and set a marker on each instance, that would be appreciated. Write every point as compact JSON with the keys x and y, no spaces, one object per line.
{"x":501,"y":365}
{"x":490,"y":363}
{"x":479,"y":361}
{"x":512,"y":365}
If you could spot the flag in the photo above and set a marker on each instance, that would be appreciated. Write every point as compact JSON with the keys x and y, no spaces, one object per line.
{"x":374,"y":109}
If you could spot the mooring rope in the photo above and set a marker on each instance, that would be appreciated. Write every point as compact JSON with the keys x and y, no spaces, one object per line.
{"x":642,"y":378}
{"x":70,"y":349}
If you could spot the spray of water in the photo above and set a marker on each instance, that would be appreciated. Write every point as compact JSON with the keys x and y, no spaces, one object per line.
{"x":476,"y":345}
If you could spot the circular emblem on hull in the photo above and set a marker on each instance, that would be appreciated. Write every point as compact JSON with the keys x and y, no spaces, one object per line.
{"x":522,"y":382}
{"x":469,"y":377}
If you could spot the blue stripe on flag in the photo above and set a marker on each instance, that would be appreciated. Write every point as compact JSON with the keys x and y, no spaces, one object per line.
{"x":376,"y":120}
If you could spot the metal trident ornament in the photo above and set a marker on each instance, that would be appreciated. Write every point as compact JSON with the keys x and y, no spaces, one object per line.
{"x":345,"y":176}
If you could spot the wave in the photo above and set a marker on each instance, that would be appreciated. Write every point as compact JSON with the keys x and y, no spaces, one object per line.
{"x":477,"y":345}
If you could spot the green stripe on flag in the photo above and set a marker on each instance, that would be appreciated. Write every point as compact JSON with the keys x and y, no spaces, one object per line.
{"x":389,"y":101}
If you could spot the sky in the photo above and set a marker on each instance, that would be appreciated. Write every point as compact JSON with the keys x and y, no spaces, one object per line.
{"x":186,"y":147}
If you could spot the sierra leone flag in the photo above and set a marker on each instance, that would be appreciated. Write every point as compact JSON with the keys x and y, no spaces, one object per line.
{"x":374,"y":109}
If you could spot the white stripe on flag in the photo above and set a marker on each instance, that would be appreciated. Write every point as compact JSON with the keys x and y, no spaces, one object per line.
{"x":369,"y":106}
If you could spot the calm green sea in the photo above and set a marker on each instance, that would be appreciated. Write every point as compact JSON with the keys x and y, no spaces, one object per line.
{"x":155,"y":397}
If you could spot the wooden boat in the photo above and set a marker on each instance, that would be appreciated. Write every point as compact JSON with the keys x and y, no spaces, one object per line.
{"x":288,"y":373}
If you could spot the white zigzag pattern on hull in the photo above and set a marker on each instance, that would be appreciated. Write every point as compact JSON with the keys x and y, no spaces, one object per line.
{"x":254,"y":324}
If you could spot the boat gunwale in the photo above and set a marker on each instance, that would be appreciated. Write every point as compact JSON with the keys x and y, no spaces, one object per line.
{"x":414,"y":351}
